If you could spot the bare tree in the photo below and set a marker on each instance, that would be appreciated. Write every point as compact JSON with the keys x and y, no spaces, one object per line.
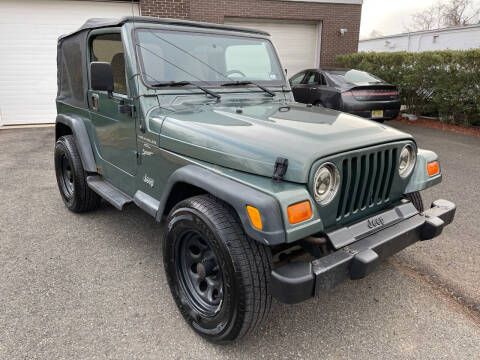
{"x":430,"y":18}
{"x":444,"y":13}
{"x":460,"y":12}
{"x":372,"y":35}
{"x":375,"y":34}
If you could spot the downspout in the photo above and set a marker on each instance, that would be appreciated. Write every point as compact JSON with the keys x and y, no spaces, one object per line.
{"x":420,"y":41}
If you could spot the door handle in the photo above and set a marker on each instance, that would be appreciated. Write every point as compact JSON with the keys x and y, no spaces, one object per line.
{"x":94,"y":102}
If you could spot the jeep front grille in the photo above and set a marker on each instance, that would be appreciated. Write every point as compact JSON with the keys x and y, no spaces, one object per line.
{"x":366,"y":181}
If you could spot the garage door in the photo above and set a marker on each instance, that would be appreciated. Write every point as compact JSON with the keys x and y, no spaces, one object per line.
{"x":297,"y":42}
{"x":28,"y":40}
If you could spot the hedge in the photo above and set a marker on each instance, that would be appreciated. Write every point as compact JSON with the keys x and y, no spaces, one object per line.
{"x":439,"y":83}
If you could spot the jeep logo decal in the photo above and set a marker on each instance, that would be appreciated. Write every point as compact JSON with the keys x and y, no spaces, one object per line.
{"x":373,"y":223}
{"x":149,"y":181}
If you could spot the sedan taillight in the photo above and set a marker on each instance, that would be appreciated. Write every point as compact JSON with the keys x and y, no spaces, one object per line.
{"x":369,"y":94}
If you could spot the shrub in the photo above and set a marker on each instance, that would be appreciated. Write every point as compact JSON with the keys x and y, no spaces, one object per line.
{"x":442,"y":83}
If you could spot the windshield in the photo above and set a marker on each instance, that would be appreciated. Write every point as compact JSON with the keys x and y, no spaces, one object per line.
{"x":206,"y":59}
{"x":353,"y":76}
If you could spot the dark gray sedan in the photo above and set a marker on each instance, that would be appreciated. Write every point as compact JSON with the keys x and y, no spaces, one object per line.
{"x":353,"y":91}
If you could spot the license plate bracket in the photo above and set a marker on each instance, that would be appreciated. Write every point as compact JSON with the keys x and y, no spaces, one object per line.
{"x":349,"y":234}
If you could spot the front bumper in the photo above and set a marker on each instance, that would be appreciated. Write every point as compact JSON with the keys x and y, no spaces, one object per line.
{"x":398,"y":228}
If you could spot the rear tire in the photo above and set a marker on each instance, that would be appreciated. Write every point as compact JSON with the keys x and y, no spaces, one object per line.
{"x":72,"y":178}
{"x":206,"y":253}
{"x":416,"y":199}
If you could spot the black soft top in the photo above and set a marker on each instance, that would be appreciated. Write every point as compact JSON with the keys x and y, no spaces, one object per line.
{"x":72,"y":53}
{"x":102,"y":23}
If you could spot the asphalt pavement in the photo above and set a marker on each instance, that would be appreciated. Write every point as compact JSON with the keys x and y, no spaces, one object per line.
{"x":92,"y":286}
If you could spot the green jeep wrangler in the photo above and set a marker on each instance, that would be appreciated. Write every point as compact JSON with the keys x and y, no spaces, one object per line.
{"x":262,"y":197}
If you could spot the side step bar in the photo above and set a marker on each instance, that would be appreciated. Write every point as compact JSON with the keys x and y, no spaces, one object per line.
{"x":108,"y":192}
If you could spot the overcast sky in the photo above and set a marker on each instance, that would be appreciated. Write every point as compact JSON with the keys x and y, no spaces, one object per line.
{"x":389,"y":16}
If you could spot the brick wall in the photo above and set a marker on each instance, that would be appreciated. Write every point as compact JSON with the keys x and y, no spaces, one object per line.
{"x":178,"y":9}
{"x":333,"y":17}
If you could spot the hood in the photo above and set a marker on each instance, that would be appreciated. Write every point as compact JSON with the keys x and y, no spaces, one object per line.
{"x":251,"y":136}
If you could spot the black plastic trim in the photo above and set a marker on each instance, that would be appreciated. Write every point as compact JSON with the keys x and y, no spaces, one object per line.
{"x":76,"y":124}
{"x":108,"y":192}
{"x":296,"y":282}
{"x":292,"y":282}
{"x":146,"y":203}
{"x":236,"y":195}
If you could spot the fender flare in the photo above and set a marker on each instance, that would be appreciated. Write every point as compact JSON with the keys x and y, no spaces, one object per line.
{"x":79,"y":130}
{"x":238,"y":196}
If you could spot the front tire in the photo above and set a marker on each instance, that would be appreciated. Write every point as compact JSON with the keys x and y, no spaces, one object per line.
{"x":72,"y":178}
{"x":218,"y":276}
{"x":416,"y":199}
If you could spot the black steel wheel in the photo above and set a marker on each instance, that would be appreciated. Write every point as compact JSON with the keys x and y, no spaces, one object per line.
{"x":218,"y":276}
{"x":66,"y":176}
{"x":72,"y":178}
{"x":199,"y":273}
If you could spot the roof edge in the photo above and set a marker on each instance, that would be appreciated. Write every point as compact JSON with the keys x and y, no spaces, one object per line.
{"x":451,"y":28}
{"x":96,"y":23}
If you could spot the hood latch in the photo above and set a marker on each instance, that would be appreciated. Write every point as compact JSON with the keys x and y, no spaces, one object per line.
{"x":281,"y":166}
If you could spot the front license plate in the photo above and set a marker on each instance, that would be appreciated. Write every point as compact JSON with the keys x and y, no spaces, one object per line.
{"x":377,"y":114}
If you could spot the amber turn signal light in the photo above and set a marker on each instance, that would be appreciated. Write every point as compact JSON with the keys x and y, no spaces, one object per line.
{"x":299,"y":212}
{"x":255,"y":217}
{"x":433,"y":168}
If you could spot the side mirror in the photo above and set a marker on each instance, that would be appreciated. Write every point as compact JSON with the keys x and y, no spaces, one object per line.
{"x":101,"y":76}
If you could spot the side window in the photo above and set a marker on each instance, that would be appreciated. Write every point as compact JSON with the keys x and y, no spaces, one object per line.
{"x":109,"y":48}
{"x":297,"y":79}
{"x":312,"y":79}
{"x":322,"y":80}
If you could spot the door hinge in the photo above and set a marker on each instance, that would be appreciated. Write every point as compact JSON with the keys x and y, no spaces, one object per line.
{"x":139,"y":158}
{"x":126,"y":109}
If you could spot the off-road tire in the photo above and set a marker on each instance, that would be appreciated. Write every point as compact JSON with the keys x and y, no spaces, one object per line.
{"x":77,"y":196}
{"x":416,"y":199}
{"x":244,"y":263}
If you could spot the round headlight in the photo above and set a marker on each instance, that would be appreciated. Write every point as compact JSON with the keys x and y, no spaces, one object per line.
{"x":406,"y":161}
{"x":326,"y":183}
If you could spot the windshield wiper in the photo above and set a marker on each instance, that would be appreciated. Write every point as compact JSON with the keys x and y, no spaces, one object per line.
{"x":240,"y":83}
{"x":185,"y":83}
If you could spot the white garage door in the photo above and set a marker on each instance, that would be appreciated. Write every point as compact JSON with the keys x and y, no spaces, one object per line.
{"x":28,"y":43}
{"x":297,"y":42}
